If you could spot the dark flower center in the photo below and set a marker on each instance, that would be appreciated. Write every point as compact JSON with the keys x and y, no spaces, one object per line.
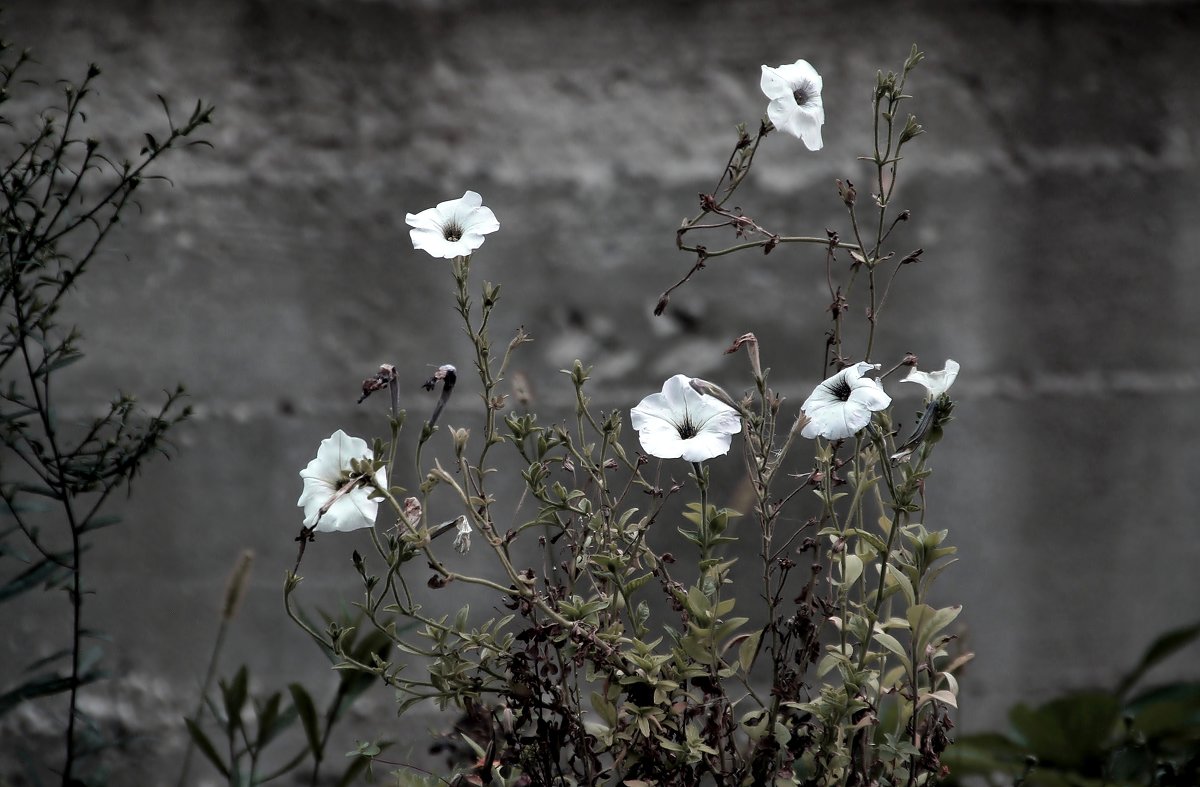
{"x":687,"y":430}
{"x":839,"y":389}
{"x":452,"y":231}
{"x":802,"y":93}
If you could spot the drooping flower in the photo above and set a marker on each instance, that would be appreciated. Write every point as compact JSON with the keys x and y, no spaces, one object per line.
{"x":682,"y":423}
{"x":843,"y":404}
{"x":796,"y":106}
{"x":325,"y":486}
{"x":936,"y":383}
{"x":454,"y":228}
{"x":462,"y":535}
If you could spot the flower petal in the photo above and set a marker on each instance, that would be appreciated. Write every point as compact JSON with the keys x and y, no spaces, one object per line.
{"x":870,"y":396}
{"x":801,"y":72}
{"x":705,"y":445}
{"x":936,"y":383}
{"x":469,"y":199}
{"x":774,"y":85}
{"x":480,"y":221}
{"x":803,"y":124}
{"x":661,"y":441}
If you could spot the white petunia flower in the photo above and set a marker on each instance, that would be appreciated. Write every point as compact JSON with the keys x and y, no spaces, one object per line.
{"x":843,"y":404}
{"x":454,"y":228}
{"x":682,"y":423}
{"x":325,"y":481}
{"x":796,"y":106}
{"x":936,"y":383}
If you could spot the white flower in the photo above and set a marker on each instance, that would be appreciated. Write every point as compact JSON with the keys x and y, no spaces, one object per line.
{"x":796,"y":107}
{"x":936,"y":383}
{"x":325,"y":480}
{"x":462,"y":536}
{"x":682,"y":423}
{"x":843,"y":404}
{"x":454,"y":228}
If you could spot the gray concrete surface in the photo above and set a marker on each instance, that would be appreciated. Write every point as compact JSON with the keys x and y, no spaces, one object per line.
{"x":1054,"y":195}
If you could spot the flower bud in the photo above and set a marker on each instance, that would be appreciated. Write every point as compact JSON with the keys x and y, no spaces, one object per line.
{"x":847,"y":192}
{"x":236,"y":588}
{"x":911,"y":129}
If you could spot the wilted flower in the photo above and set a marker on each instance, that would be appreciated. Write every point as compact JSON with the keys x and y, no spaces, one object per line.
{"x":843,"y":404}
{"x":326,"y":481}
{"x":682,"y":423}
{"x":936,"y":383}
{"x":454,"y":228}
{"x":796,"y":106}
{"x":462,"y":536}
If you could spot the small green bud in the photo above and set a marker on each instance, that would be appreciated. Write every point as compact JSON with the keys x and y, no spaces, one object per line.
{"x":460,"y":440}
{"x":911,"y":129}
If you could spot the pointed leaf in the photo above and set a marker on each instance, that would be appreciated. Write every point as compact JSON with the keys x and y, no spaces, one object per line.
{"x":206,"y":747}
{"x":234,"y":695}
{"x":853,"y":569}
{"x":308,"y":716}
{"x":1159,"y":650}
{"x":29,"y":579}
{"x":748,"y":649}
{"x":897,"y":576}
{"x":893,"y":644}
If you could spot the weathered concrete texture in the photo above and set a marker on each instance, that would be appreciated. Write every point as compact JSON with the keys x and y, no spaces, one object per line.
{"x":1054,"y":196}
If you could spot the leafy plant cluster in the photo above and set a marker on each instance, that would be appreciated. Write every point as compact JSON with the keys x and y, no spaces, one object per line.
{"x":619,"y":662}
{"x":1128,"y":735}
{"x":61,"y":195}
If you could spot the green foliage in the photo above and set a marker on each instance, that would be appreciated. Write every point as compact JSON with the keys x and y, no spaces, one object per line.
{"x":1097,"y":737}
{"x":246,"y":727}
{"x":61,"y":194}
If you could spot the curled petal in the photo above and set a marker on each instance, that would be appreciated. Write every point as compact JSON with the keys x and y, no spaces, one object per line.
{"x":936,"y":383}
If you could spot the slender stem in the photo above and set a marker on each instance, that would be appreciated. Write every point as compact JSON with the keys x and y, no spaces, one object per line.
{"x":209,"y":674}
{"x":775,"y":240}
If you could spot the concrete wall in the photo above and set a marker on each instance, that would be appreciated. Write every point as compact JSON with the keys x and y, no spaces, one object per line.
{"x":1054,"y":195}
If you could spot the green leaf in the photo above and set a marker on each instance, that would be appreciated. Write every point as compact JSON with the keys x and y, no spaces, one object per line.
{"x":98,"y":522}
{"x":37,"y":687}
{"x":896,"y":576}
{"x":1159,"y":650}
{"x":875,"y":541}
{"x":270,"y":721}
{"x":893,"y":644}
{"x":605,"y":709}
{"x":1072,"y":731}
{"x":45,"y":570}
{"x":308,"y":716}
{"x":747,"y":649}
{"x":47,"y":660}
{"x":355,"y":682}
{"x":354,"y":770}
{"x":698,"y":604}
{"x":853,"y":569}
{"x":206,"y":747}
{"x":983,"y":755}
{"x":234,"y":695}
{"x":1171,"y":711}
{"x":926,"y":622}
